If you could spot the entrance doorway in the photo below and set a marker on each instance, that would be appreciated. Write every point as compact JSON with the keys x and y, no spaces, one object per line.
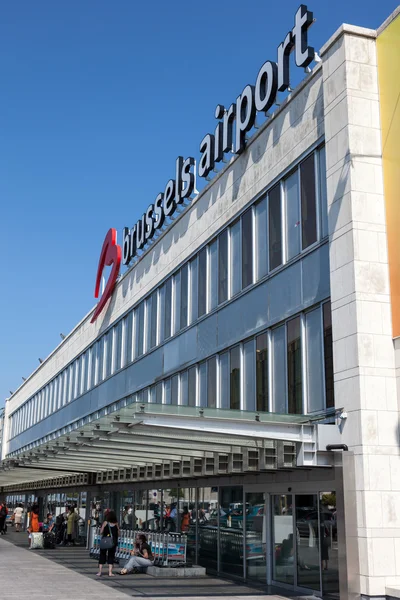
{"x":304,"y":542}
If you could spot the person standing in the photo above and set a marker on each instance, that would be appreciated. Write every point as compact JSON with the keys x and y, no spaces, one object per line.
{"x":18,"y":512}
{"x":3,"y":517}
{"x":71,"y":526}
{"x":109,"y":528}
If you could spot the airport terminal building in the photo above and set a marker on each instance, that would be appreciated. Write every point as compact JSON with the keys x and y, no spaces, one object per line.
{"x":244,"y":364}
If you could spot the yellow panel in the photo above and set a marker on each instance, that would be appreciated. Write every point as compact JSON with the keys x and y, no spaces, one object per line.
{"x":388,"y":48}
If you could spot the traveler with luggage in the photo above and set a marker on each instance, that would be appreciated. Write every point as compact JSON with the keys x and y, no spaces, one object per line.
{"x":108,"y":543}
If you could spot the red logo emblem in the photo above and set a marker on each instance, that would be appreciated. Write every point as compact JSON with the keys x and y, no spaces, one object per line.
{"x":110,"y":255}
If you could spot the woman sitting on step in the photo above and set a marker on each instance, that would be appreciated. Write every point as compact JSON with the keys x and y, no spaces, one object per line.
{"x":141,"y":556}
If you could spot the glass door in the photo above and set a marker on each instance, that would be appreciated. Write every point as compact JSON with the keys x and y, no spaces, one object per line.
{"x":283,"y":547}
{"x":256,"y":532}
{"x":307,"y":540}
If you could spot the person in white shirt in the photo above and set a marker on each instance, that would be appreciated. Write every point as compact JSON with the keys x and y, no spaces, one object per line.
{"x":18,"y":512}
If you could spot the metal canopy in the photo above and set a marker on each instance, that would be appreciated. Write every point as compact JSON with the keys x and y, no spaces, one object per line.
{"x":151,"y":436}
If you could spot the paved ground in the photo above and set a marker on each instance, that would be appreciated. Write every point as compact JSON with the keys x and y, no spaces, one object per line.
{"x":69,"y":573}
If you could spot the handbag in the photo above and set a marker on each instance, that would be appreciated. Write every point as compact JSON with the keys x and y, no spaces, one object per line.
{"x":107,"y":542}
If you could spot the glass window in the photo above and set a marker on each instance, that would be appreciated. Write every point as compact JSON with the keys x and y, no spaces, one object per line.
{"x":328,"y":355}
{"x":235,"y":269}
{"x":307,"y":538}
{"x":262,"y":371}
{"x":314,"y":369}
{"x":192,"y":383}
{"x":231,"y":532}
{"x":223,"y":267}
{"x":256,"y":533}
{"x":55,"y":396}
{"x":235,"y":378}
{"x":323,"y":196}
{"x":308,"y":202}
{"x":213,"y":275}
{"x":184,"y":296}
{"x":261,"y":238}
{"x":193,"y":289}
{"x":83,"y":379}
{"x":77,"y":377}
{"x":159,"y":392}
{"x":167,"y":391}
{"x":294,"y":366}
{"x":184,"y":388}
{"x":109,"y":350}
{"x":202,"y":289}
{"x":202,"y":384}
{"x":168,"y":309}
{"x":153,"y":319}
{"x":249,"y":377}
{"x":152,"y":394}
{"x":139,"y":322}
{"x":212,"y":382}
{"x":161,"y":314}
{"x":176,"y":302}
{"x":117,"y":347}
{"x":224,"y":379}
{"x":275,"y":227}
{"x":283,"y":541}
{"x":292,"y":214}
{"x":278,"y":370}
{"x":175,"y":389}
{"x":247,"y":248}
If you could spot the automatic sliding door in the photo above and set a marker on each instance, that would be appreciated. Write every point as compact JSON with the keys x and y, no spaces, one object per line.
{"x":307,"y":538}
{"x":283,"y":547}
{"x":256,"y":557}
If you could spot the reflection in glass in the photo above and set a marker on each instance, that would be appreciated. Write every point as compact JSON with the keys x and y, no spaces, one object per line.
{"x":256,"y":557}
{"x":223,"y":267}
{"x":231,"y":530}
{"x":202,"y":384}
{"x":140,"y":329}
{"x":292,"y":214}
{"x":314,"y":370}
{"x":247,"y":248}
{"x":308,"y":202}
{"x":307,"y":526}
{"x":175,"y":389}
{"x":224,"y":379}
{"x":295,"y":391}
{"x":202,"y":289}
{"x":328,"y":355}
{"x":278,"y":370}
{"x":261,"y":238}
{"x":249,"y":391}
{"x":168,"y":309}
{"x":184,"y":388}
{"x":192,"y":386}
{"x":212,"y":382}
{"x":193,"y":289}
{"x":329,"y":543}
{"x":184,"y":296}
{"x":235,"y":270}
{"x":323,"y":197}
{"x":213,"y":275}
{"x":262,"y":371}
{"x":153,"y":320}
{"x":206,"y":515}
{"x":275,"y":227}
{"x":283,"y":545}
{"x":235,"y":378}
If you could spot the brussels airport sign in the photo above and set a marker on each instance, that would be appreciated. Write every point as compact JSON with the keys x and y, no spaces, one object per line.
{"x":229,"y":137}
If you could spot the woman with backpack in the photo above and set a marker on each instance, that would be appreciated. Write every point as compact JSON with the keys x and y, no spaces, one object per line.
{"x":108,"y":543}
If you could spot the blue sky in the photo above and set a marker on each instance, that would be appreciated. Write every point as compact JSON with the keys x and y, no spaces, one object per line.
{"x":98,"y":98}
